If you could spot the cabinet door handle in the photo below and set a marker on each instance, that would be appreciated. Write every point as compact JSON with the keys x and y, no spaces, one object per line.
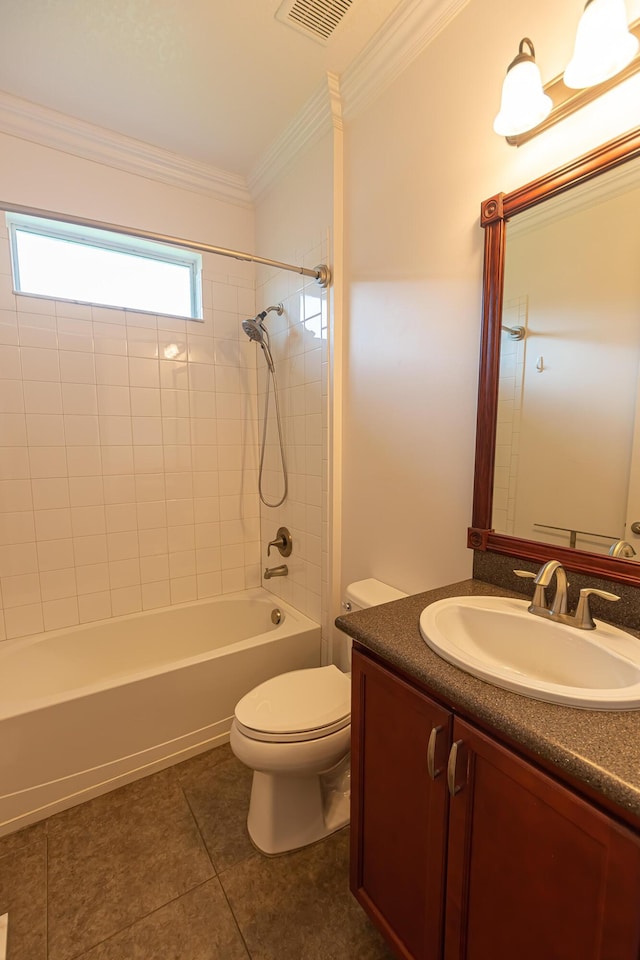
{"x":431,"y":753}
{"x":454,"y":786}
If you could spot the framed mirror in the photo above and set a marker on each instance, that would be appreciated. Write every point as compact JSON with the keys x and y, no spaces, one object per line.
{"x":557,"y":470}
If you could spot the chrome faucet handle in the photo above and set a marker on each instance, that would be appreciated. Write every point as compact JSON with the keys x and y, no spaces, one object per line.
{"x":583,"y":617}
{"x":539,"y":596}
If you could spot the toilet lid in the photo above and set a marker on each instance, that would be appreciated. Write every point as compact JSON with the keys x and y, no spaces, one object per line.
{"x":314,"y":702}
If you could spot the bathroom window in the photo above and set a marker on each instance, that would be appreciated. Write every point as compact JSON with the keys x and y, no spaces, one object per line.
{"x":71,"y":262}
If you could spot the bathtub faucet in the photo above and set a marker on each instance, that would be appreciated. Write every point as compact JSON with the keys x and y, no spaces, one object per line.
{"x":281,"y":571}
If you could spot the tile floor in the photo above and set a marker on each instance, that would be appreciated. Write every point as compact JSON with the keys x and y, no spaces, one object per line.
{"x":163,"y":869}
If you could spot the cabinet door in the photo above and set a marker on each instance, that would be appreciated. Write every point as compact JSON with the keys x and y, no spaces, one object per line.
{"x":399,"y":809}
{"x":534,"y":871}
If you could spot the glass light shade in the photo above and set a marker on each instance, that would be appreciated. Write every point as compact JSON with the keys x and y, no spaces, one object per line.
{"x":603,"y":44}
{"x":524,"y":103}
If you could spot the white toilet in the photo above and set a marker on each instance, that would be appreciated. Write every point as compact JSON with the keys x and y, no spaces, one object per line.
{"x":294,"y":732}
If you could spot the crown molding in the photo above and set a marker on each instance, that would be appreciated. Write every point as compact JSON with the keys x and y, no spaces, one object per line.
{"x":401,"y":38}
{"x":313,"y":120}
{"x":49,"y":128}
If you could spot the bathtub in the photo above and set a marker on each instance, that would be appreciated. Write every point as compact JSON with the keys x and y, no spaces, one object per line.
{"x":87,"y":709}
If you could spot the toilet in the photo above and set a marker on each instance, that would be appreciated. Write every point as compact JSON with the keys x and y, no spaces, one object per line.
{"x":294,"y":732}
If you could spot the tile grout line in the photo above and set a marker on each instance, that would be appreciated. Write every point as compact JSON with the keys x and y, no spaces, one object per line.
{"x":215,"y":869}
{"x":231,"y":911}
{"x":235,"y":919}
{"x":196,"y":824}
{"x":128,"y":926}
{"x":78,"y":956}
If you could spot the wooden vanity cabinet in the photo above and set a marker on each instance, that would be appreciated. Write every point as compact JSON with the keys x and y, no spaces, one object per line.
{"x":473,"y":853}
{"x":398,"y":810}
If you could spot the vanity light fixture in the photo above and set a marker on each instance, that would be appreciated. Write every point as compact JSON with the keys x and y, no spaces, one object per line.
{"x":604,"y":45}
{"x":605,"y":54}
{"x":524,"y":104}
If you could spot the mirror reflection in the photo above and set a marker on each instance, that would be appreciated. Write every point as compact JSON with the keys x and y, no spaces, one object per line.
{"x":567,"y":466}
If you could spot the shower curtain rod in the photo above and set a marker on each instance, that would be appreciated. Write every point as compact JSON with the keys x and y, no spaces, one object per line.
{"x":321,"y":273}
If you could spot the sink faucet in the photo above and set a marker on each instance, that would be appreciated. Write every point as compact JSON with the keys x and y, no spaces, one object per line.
{"x":280,"y":571}
{"x":542,"y":579}
{"x":558,"y":610}
{"x":622,"y":549}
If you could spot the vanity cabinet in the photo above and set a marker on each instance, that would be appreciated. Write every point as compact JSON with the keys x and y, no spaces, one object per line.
{"x":399,"y":812}
{"x":464,"y":850}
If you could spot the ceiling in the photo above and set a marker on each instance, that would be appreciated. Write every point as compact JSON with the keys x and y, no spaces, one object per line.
{"x":216,"y":81}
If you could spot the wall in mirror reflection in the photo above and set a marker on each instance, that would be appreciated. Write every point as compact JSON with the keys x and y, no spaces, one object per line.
{"x":568,"y":433}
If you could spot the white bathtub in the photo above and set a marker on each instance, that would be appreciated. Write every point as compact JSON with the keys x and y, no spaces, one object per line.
{"x":87,"y":709}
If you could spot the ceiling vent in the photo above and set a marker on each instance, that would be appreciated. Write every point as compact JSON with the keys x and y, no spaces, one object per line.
{"x":315,"y":18}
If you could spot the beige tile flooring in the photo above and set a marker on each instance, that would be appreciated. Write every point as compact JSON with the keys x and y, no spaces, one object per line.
{"x":163,"y":869}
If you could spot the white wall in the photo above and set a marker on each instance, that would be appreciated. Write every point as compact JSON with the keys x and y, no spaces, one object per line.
{"x":40,"y":176}
{"x":127,"y":440}
{"x":419,"y":162}
{"x":293,"y":221}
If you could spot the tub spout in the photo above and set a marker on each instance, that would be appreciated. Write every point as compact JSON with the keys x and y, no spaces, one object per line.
{"x":281,"y":571}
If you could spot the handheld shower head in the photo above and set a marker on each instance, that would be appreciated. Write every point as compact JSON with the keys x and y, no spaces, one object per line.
{"x":256,"y":330}
{"x":253,"y":330}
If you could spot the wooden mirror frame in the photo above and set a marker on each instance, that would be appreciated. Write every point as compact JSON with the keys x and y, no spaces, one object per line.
{"x":495,"y":213}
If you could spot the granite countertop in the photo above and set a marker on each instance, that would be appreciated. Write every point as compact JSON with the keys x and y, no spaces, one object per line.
{"x":600,"y":749}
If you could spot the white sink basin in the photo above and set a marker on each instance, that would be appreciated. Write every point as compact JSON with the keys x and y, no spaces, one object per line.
{"x":497,"y":639}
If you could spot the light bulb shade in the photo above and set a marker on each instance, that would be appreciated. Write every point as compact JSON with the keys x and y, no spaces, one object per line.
{"x":524,"y":103}
{"x":603,"y":45}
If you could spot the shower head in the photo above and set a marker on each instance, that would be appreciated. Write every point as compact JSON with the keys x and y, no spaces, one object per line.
{"x":259,"y":318}
{"x":256,"y":331}
{"x":253,"y":330}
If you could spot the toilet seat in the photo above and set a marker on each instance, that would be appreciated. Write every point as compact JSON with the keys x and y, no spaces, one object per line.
{"x":296,"y":706}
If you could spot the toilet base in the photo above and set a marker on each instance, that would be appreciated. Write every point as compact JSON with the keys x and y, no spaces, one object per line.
{"x":286,"y":813}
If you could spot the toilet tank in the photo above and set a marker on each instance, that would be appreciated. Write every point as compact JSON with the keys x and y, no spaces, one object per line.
{"x":369,"y":593}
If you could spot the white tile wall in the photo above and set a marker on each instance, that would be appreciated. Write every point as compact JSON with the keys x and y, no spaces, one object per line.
{"x":300,"y":349}
{"x":128,"y":473}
